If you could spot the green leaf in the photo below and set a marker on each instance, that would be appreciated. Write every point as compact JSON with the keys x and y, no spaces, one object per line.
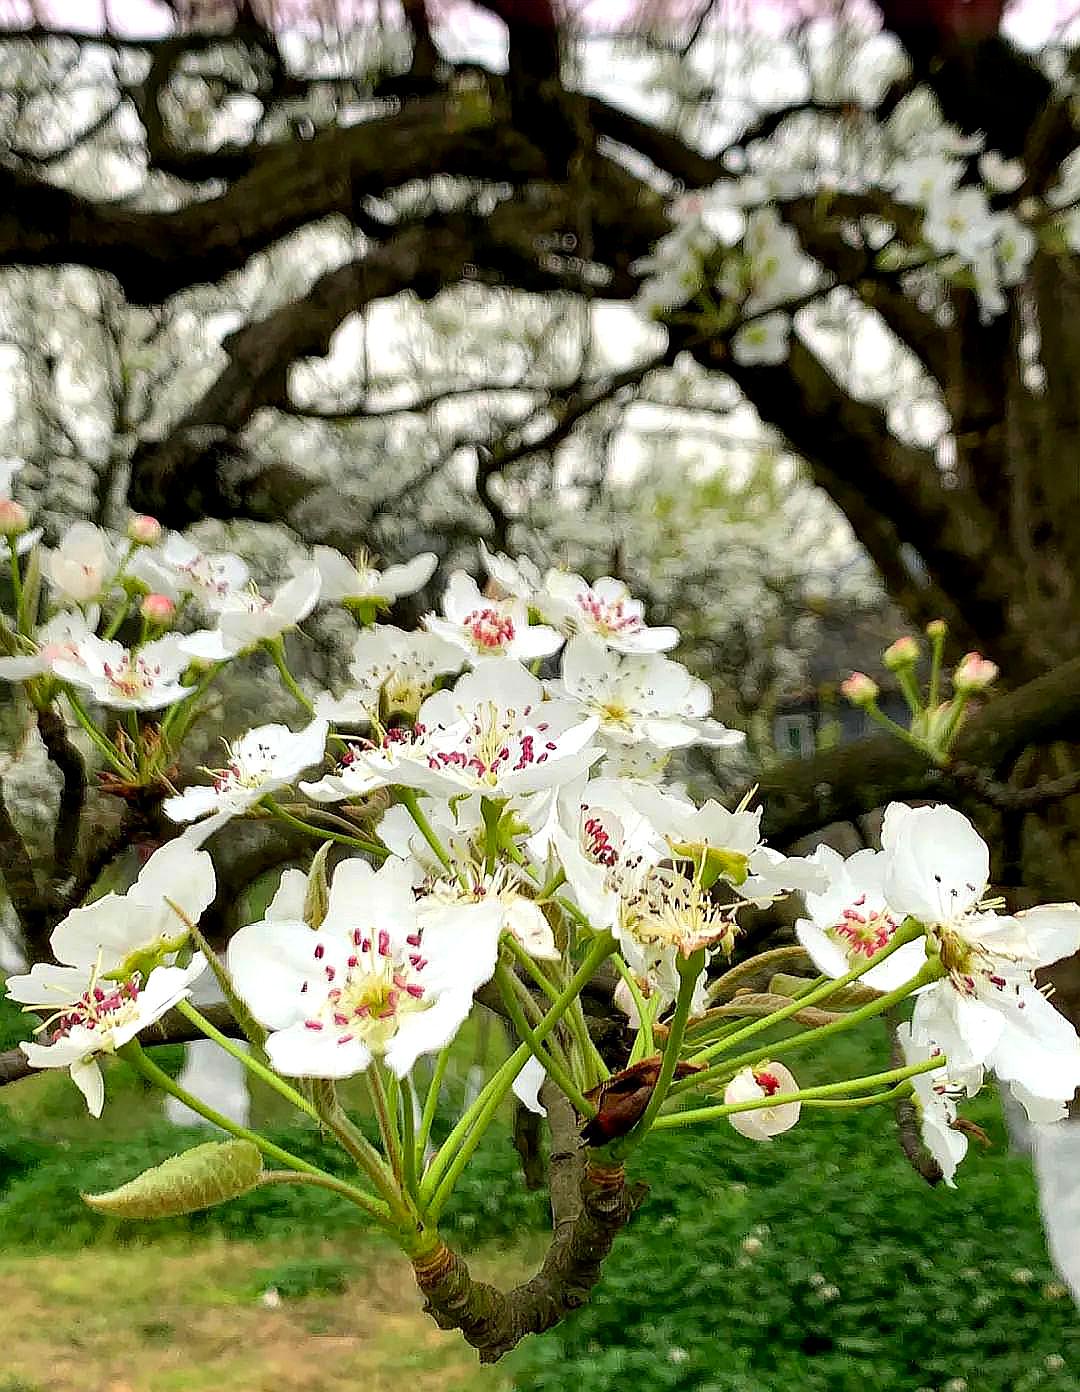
{"x":210,"y":1174}
{"x":317,"y":898}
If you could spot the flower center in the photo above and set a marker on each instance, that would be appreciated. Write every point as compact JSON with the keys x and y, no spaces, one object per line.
{"x":132,"y":677}
{"x":378,"y":986}
{"x":608,"y":616}
{"x":489,"y":629}
{"x":495,"y":745}
{"x":768,"y":1082}
{"x":862,"y":930}
{"x":103,"y":1009}
{"x":670,"y":910}
{"x":247,"y":768}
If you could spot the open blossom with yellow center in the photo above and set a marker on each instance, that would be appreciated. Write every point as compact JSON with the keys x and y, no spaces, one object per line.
{"x":849,"y":921}
{"x":265,"y":759}
{"x":147,"y":678}
{"x":493,"y":733}
{"x":669,"y":910}
{"x":91,"y":1015}
{"x":487,"y":628}
{"x":378,"y":978}
{"x":987,"y":1010}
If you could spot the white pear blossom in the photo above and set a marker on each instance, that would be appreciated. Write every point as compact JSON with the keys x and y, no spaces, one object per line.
{"x":987,"y":1010}
{"x":492,"y":734}
{"x":639,"y":697}
{"x":179,"y":567}
{"x":1001,"y":175}
{"x":145,"y":678}
{"x":526,"y":1086}
{"x":247,"y":618}
{"x":755,"y":1084}
{"x":177,"y":883}
{"x":605,"y":844}
{"x":473,"y":901}
{"x":89,"y":1016}
{"x":961,"y":221}
{"x":371,"y":981}
{"x":401,"y":667}
{"x":80,"y":568}
{"x":59,"y":638}
{"x":262,"y":761}
{"x":777,"y":269}
{"x":764,"y":341}
{"x":923,"y":179}
{"x":935,"y":1100}
{"x":732,"y":842}
{"x":849,"y":921}
{"x":517,"y":577}
{"x":489,"y":628}
{"x":604,"y":610}
{"x":343,"y":580}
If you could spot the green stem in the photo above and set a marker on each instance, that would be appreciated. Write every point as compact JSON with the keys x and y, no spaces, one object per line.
{"x":355,"y":1144}
{"x":937,"y":652}
{"x":134,"y":1054}
{"x":408,"y":1133}
{"x":276,"y":648}
{"x":431,"y":1102}
{"x":323,"y":833}
{"x":893,"y":728}
{"x":689,"y":971}
{"x":104,"y":745}
{"x":17,"y":585}
{"x":387,"y":1127}
{"x":491,"y":810}
{"x":407,"y":797}
{"x":447,"y":1166}
{"x":551,"y":1066}
{"x":327,"y":1181}
{"x":186,"y":710}
{"x":826,"y":1090}
{"x":117,"y":619}
{"x":644,"y":1046}
{"x":257,"y":1069}
{"x":906,"y":933}
{"x":932,"y":971}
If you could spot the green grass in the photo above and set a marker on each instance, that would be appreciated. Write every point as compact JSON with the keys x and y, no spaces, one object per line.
{"x":817,"y":1263}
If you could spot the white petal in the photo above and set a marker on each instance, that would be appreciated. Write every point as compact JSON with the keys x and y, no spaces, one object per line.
{"x":527,"y":1085}
{"x":272,"y":961}
{"x":299,"y":1052}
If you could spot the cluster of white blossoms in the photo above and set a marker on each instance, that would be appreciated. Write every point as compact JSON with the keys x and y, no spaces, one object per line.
{"x":947,"y":205}
{"x":496,"y":786}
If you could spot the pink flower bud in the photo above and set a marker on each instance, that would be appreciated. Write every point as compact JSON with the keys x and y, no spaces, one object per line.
{"x":13,"y":518}
{"x":859,"y":689}
{"x":144,"y":530}
{"x":157,"y":609}
{"x":936,"y":629}
{"x":903,"y":653}
{"x":974,"y":672}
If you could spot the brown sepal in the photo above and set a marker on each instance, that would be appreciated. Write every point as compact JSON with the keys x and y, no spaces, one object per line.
{"x":621,"y":1099}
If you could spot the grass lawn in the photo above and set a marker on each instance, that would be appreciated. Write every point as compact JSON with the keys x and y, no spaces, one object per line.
{"x":193,"y":1317}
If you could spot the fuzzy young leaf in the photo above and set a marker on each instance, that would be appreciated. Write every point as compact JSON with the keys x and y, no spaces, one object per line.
{"x":317,"y":898}
{"x":199,"y":1178}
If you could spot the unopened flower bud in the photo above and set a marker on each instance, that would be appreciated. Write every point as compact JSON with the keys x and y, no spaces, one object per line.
{"x":903,"y":653}
{"x":974,"y":673}
{"x":157,"y":609}
{"x":13,"y":518}
{"x":859,"y":689}
{"x":936,"y":629}
{"x":755,"y":1085}
{"x":144,"y":530}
